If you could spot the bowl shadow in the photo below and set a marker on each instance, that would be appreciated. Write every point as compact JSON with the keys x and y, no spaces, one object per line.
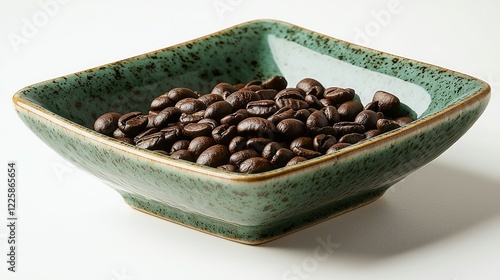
{"x":432,"y":204}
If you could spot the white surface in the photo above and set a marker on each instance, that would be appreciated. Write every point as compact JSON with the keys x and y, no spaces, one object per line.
{"x":442,"y":222}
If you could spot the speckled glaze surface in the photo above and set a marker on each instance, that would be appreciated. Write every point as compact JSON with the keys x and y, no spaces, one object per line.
{"x":254,"y":208}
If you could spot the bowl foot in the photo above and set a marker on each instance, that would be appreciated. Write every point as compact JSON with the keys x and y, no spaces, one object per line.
{"x":251,"y":235}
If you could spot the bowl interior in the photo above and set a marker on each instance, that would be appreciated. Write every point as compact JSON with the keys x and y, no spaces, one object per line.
{"x":254,"y":50}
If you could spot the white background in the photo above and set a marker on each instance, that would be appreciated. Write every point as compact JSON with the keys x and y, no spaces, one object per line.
{"x":442,"y":222}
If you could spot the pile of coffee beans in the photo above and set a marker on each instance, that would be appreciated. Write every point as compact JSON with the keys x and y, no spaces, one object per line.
{"x":255,"y":127}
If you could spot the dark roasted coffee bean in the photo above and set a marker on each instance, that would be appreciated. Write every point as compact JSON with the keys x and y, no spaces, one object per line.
{"x":240,"y":98}
{"x":213,"y":123}
{"x":402,"y":121}
{"x":254,"y":83}
{"x":372,"y":133}
{"x":210,"y":98}
{"x":352,"y":138}
{"x":275,"y":82}
{"x":307,"y":153}
{"x":191,"y":118}
{"x":235,"y":118}
{"x":224,"y":133}
{"x":261,"y":108}
{"x":317,"y":119}
{"x":183,"y":154}
{"x":172,"y":134}
{"x":270,"y":150}
{"x":190,"y":105}
{"x":281,"y":114}
{"x":282,"y":157}
{"x":161,"y":102}
{"x":387,"y":103}
{"x":336,"y":147}
{"x":257,"y":143}
{"x":302,"y":115}
{"x":339,"y":95}
{"x":132,"y":123}
{"x":179,"y":145}
{"x":343,"y":128}
{"x":193,"y":130}
{"x":107,"y":123}
{"x":228,"y":167}
{"x":256,"y":127}
{"x":167,"y":116}
{"x":200,"y":144}
{"x":254,"y":88}
{"x":385,"y":125}
{"x":296,"y":160}
{"x":255,"y":165}
{"x":349,"y":110}
{"x":238,"y":143}
{"x":222,"y":87}
{"x":266,"y":94}
{"x":368,"y":118}
{"x":119,"y":134}
{"x":326,"y":102}
{"x":214,"y":156}
{"x":290,"y":98}
{"x":126,"y":140}
{"x":322,"y":142}
{"x":313,"y":101}
{"x":240,"y":156}
{"x":291,"y":128}
{"x":146,"y":132}
{"x":328,"y":130}
{"x":151,"y":119}
{"x":311,"y":87}
{"x":154,"y":141}
{"x":372,"y":106}
{"x":331,"y":113}
{"x":218,"y":110}
{"x":302,"y":142}
{"x":177,"y":94}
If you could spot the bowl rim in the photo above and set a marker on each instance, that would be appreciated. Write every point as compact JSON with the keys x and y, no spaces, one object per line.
{"x":82,"y":131}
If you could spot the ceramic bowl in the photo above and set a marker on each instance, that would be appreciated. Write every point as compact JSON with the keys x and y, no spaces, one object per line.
{"x":252,"y":208}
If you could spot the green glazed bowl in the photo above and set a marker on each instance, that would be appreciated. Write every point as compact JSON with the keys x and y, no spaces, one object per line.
{"x":253,"y":208}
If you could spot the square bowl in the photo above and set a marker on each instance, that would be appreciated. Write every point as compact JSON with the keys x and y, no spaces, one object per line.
{"x":252,"y":208}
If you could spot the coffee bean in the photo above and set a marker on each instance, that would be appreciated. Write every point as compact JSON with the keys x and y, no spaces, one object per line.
{"x":385,"y":125}
{"x":237,"y":158}
{"x":132,"y":123}
{"x":275,"y":82}
{"x":291,"y":128}
{"x":200,"y":144}
{"x":261,"y":108}
{"x":317,"y":119}
{"x":402,"y":121}
{"x":311,"y":87}
{"x":177,"y":94}
{"x":183,"y":154}
{"x":238,"y":143}
{"x":322,"y":142}
{"x":193,"y":130}
{"x":214,"y":156}
{"x":161,"y":102}
{"x":218,"y":110}
{"x":266,"y":94}
{"x":190,"y":105}
{"x":367,"y":118}
{"x":270,"y":150}
{"x":296,"y":160}
{"x":228,"y":168}
{"x":302,"y":142}
{"x":281,"y":114}
{"x":343,"y":128}
{"x":387,"y":103}
{"x":349,"y":110}
{"x":186,"y":118}
{"x":107,"y":123}
{"x":210,"y":98}
{"x":167,"y":116}
{"x":282,"y":157}
{"x":223,"y":87}
{"x":336,"y":147}
{"x":352,"y":138}
{"x":372,"y":133}
{"x":179,"y":145}
{"x":224,"y":133}
{"x":307,"y":153}
{"x":240,"y":98}
{"x":255,"y":165}
{"x":291,"y":98}
{"x":331,"y":113}
{"x":257,"y":127}
{"x":257,"y":143}
{"x":154,"y":141}
{"x":339,"y":95}
{"x":235,"y":118}
{"x":302,"y":115}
